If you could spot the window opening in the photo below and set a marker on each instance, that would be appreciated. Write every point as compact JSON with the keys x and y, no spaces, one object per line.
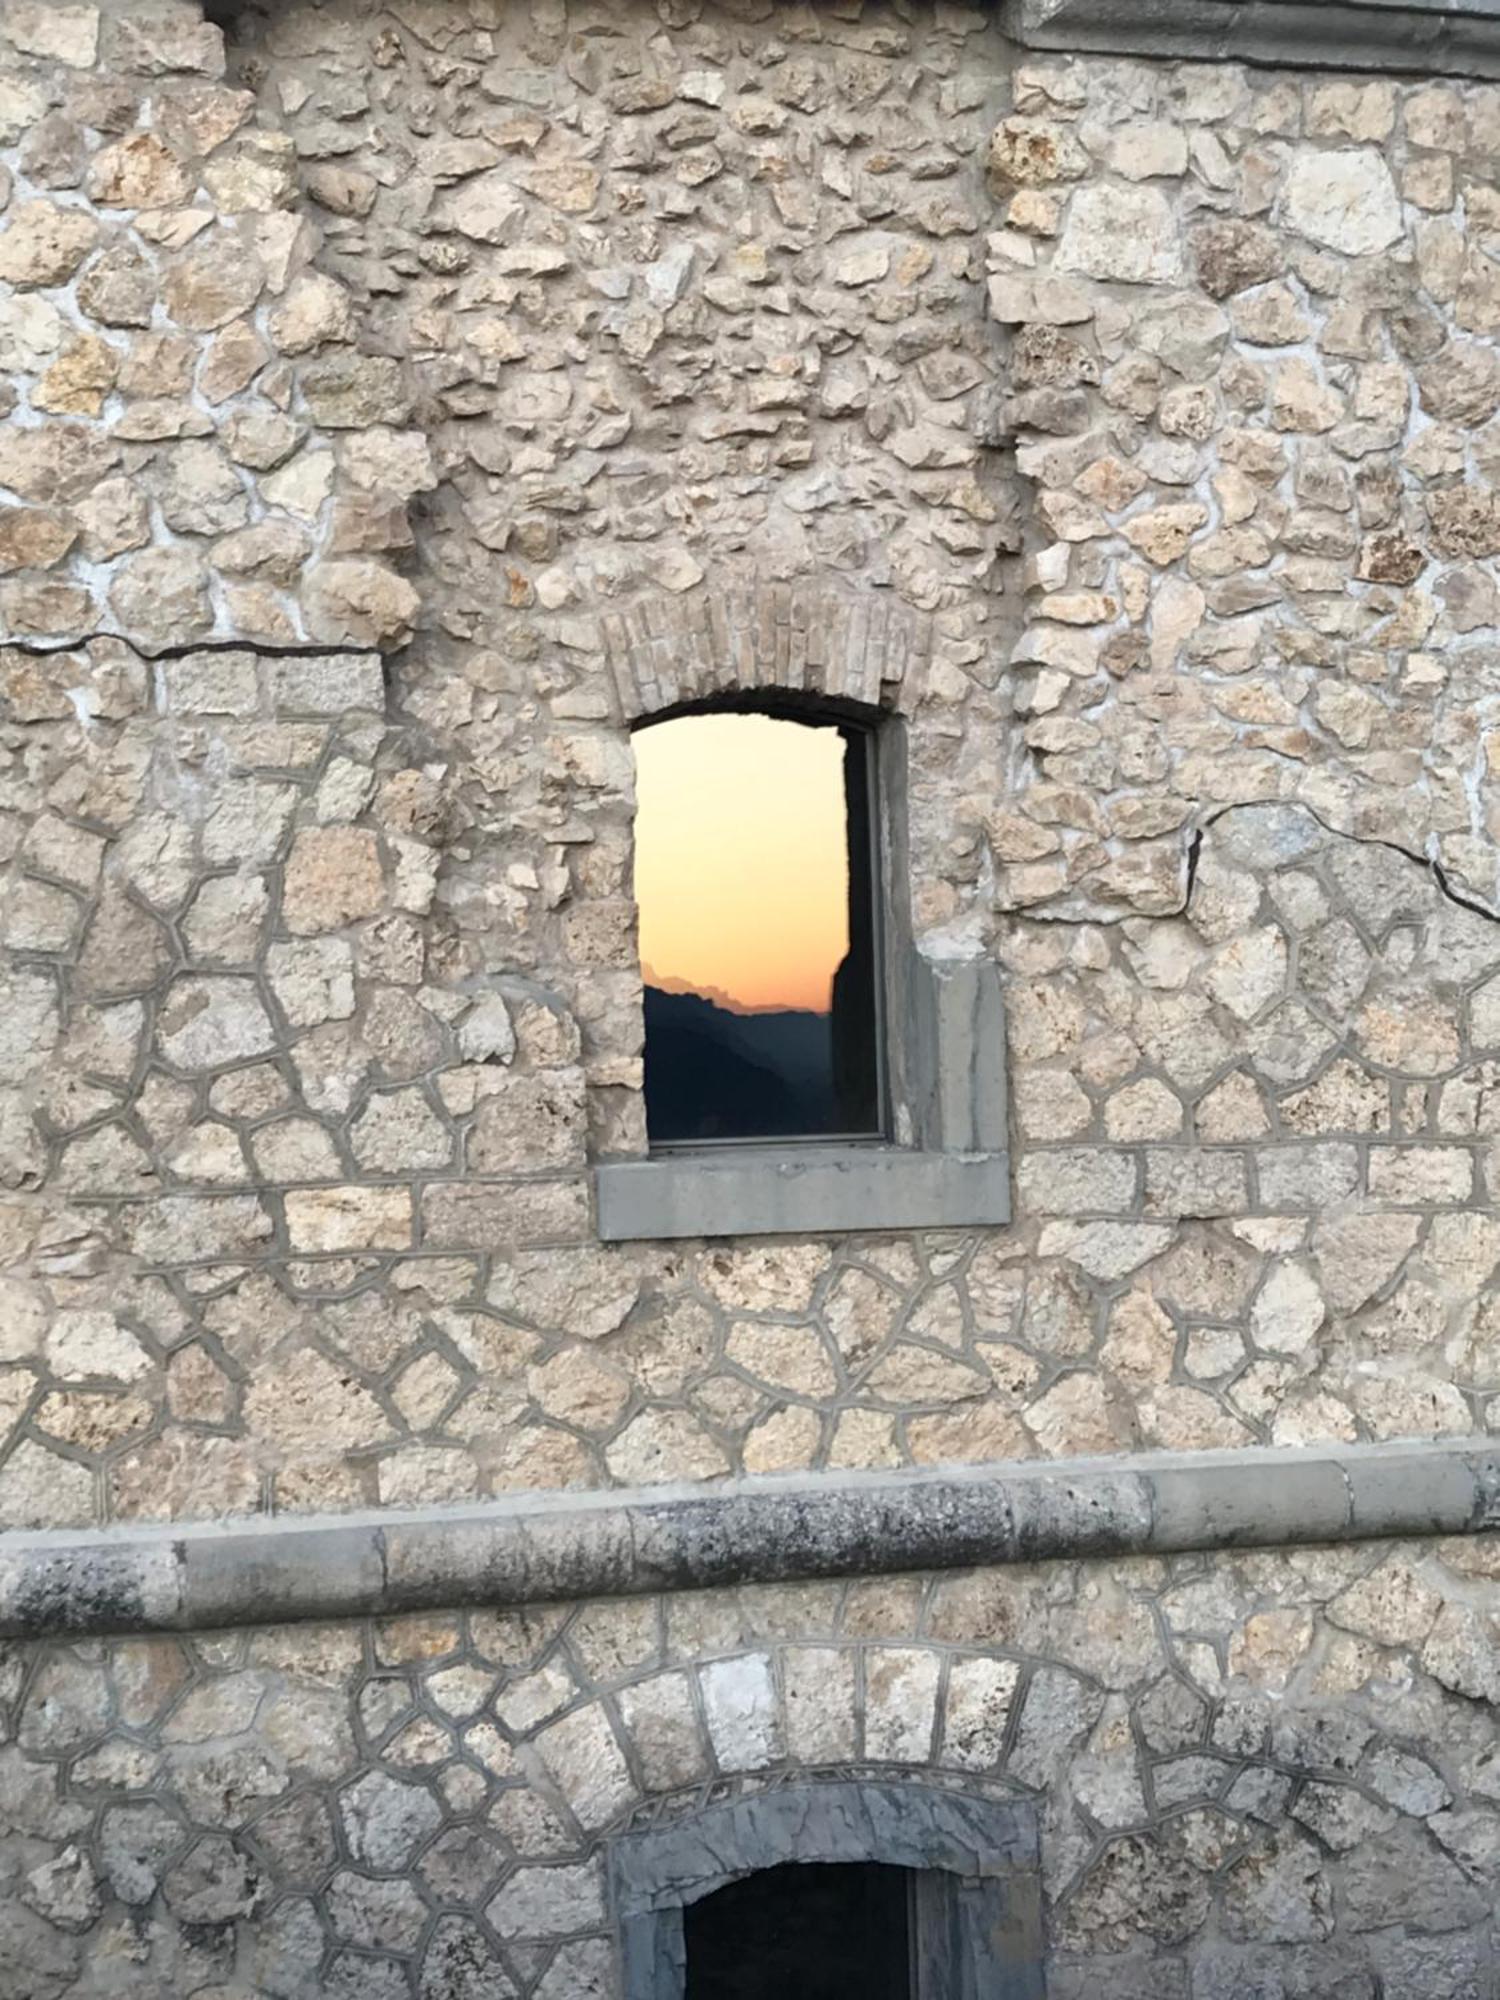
{"x":756,"y":894}
{"x":815,"y":1931}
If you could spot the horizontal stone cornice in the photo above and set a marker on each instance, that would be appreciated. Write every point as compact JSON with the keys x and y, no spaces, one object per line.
{"x":558,"y":1548}
{"x":1423,"y":37}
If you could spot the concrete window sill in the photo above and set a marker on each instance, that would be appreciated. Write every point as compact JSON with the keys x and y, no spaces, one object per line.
{"x":948,"y":1052}
{"x":799,"y":1190}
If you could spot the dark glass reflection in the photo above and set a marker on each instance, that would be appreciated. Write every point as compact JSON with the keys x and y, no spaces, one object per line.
{"x":826,"y":1931}
{"x":755,"y":894}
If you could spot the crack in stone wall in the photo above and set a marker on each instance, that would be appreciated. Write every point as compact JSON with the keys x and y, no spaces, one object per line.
{"x":685,"y":328}
{"x":374,"y":383}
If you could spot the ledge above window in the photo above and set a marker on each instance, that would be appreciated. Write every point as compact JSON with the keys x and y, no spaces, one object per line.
{"x":955,"y":1174}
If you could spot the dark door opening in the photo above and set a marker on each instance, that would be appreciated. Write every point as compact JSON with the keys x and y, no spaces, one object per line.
{"x":820,"y":1931}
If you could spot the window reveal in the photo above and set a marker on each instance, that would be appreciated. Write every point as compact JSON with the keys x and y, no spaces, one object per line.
{"x":755,"y":890}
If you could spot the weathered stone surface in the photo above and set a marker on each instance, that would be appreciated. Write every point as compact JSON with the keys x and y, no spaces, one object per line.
{"x":333,"y":875}
{"x":162,"y":594}
{"x":357,"y":601}
{"x":44,"y":244}
{"x":211,"y":283}
{"x":1343,"y":200}
{"x":139,"y":171}
{"x":1122,"y":233}
{"x":657,"y":360}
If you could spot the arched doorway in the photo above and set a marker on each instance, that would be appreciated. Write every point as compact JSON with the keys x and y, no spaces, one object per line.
{"x":969,"y":1888}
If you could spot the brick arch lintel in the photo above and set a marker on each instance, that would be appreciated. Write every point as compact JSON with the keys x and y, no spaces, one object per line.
{"x":859,"y":646}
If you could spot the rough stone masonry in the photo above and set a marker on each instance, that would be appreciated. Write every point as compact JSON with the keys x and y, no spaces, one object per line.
{"x":402,"y":398}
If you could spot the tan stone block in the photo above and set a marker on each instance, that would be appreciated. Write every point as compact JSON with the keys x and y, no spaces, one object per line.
{"x":483,"y":1217}
{"x":1162,"y":534}
{"x":35,"y":537}
{"x":1413,"y":1033}
{"x":1426,"y":1174}
{"x":212,"y":283}
{"x":79,"y":380}
{"x":527,"y":1122}
{"x":1270,"y":1646}
{"x":1028,"y":152}
{"x":257,"y":175}
{"x":44,"y":244}
{"x":1393,"y":1604}
{"x":333,"y":877}
{"x":792,"y":1358}
{"x":787,"y":1440}
{"x":1352,"y":110}
{"x":114,"y":519}
{"x":161,"y":597}
{"x":1190,"y":1420}
{"x":765,"y":1277}
{"x":359,"y":601}
{"x":662,"y":1445}
{"x":43,"y":609}
{"x":1073,"y":1419}
{"x":349,"y":1218}
{"x":1141,"y":1343}
{"x":139,"y":171}
{"x":579,"y":1389}
{"x":231,"y":362}
{"x":53,"y":31}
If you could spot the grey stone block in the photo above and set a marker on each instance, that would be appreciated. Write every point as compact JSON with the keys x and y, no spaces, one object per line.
{"x":799,"y":1191}
{"x":53,"y":1584}
{"x":1249,"y":1500}
{"x":565,"y":1548}
{"x":1412,"y":1490}
{"x":286,"y":1569}
{"x":1427,"y":37}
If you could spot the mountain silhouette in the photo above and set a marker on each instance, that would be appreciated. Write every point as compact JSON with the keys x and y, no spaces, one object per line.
{"x":713,"y":1074}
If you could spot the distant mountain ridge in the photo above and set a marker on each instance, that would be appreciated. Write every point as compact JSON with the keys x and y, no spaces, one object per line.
{"x":715,"y":1074}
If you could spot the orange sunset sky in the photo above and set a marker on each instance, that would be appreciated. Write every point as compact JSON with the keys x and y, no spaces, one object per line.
{"x":741,"y":866}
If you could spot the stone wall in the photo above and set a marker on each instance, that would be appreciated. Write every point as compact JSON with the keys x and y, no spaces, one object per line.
{"x":402,"y":400}
{"x":1266,"y":1774}
{"x":660,"y":359}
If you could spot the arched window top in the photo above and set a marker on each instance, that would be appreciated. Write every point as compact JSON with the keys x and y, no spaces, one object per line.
{"x":863,"y":648}
{"x":757,"y":900}
{"x":805,"y":705}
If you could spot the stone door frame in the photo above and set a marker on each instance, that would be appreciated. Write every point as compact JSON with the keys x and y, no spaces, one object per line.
{"x":977,"y":1910}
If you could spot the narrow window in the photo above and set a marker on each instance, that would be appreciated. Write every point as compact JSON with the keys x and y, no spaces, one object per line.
{"x":817,"y":1932}
{"x":754,"y":883}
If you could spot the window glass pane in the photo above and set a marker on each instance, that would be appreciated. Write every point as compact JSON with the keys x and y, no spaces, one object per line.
{"x":756,"y":907}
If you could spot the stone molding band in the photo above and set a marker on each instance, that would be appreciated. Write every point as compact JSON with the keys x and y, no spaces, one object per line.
{"x":1428,"y":37}
{"x":558,"y":1548}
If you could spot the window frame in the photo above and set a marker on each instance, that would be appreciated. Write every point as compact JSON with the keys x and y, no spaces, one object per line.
{"x":943,"y":1160}
{"x":976,"y":1904}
